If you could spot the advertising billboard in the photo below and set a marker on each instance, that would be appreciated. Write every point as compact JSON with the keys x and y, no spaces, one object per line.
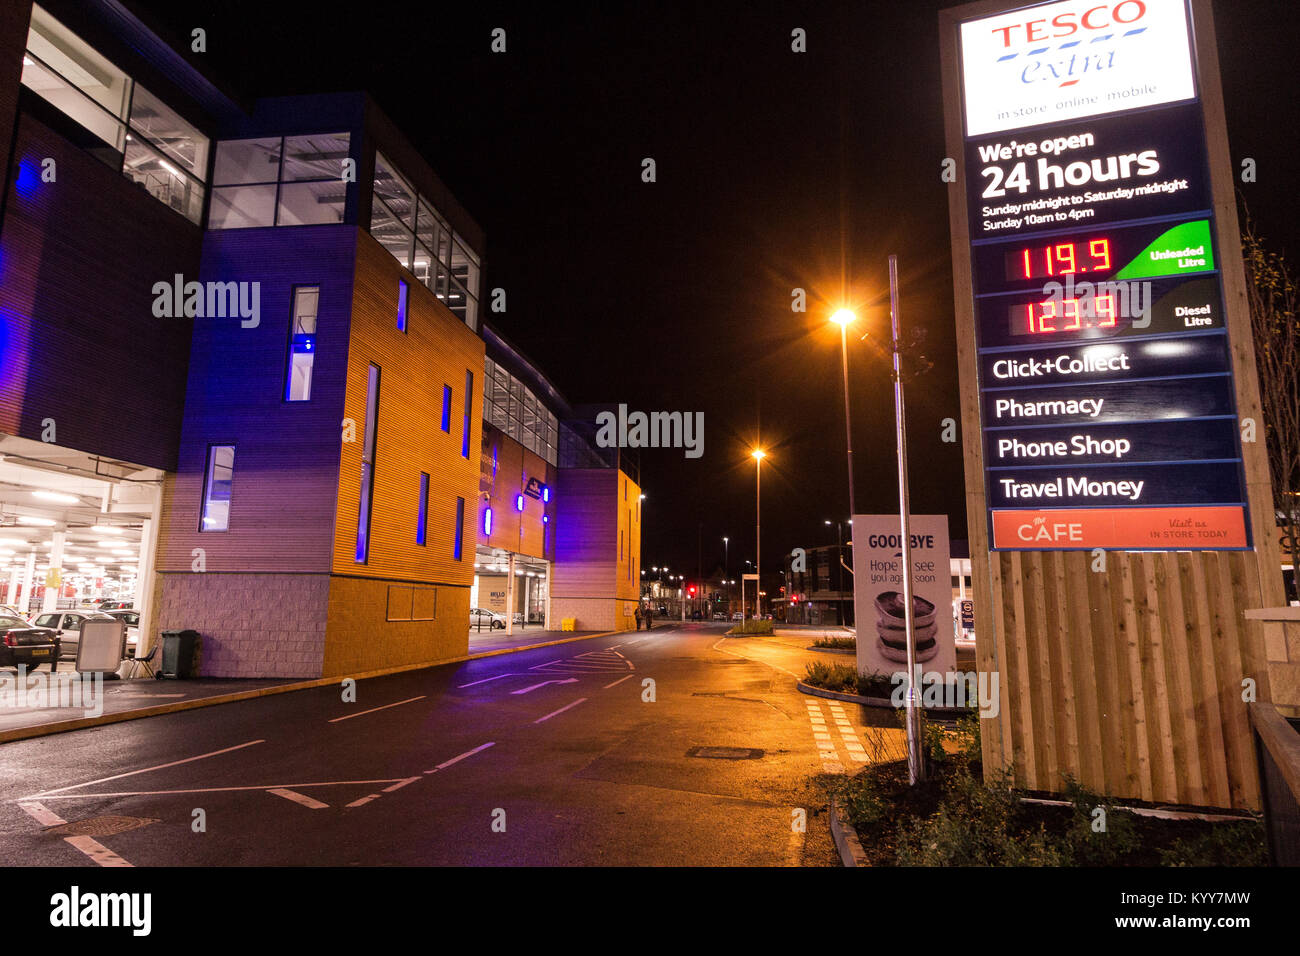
{"x":878,"y":594}
{"x":1107,"y":404}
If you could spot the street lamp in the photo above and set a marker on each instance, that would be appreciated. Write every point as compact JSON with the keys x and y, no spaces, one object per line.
{"x":726,"y":555}
{"x":759,"y":455}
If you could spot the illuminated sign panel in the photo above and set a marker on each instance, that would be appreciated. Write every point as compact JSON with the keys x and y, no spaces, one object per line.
{"x":1107,"y":404}
{"x":1074,"y":59}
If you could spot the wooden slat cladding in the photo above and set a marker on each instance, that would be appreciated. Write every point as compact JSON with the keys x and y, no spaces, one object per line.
{"x":586,"y":533}
{"x":436,"y":350}
{"x":1130,"y":680}
{"x":80,"y":343}
{"x":591,"y":511}
{"x":286,"y":453}
{"x":512,"y":530}
{"x":1127,"y":677}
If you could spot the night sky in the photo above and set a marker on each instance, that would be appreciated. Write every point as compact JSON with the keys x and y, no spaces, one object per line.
{"x":775,"y":170}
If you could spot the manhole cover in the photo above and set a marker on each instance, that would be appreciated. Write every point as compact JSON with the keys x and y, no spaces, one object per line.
{"x":101,"y":826}
{"x":725,"y":753}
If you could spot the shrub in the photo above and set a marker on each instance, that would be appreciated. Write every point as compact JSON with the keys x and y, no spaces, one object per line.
{"x":1224,"y":844}
{"x":838,"y":677}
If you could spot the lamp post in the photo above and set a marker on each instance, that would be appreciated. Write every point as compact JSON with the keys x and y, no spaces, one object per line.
{"x":915,"y":763}
{"x":758,"y":534}
{"x":842,"y":318}
{"x":726,"y":555}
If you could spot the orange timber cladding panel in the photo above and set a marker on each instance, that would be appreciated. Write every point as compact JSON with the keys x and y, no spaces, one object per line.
{"x":511,"y":529}
{"x":436,"y":350}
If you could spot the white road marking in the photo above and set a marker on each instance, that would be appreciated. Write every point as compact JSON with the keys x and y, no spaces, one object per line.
{"x":484,"y":681}
{"x":302,"y":798}
{"x":556,"y":713}
{"x":161,"y":766}
{"x":468,"y":753}
{"x":400,"y":784}
{"x":375,"y":709}
{"x":525,"y":690}
{"x":97,"y":852}
{"x":163,"y":793}
{"x":547,"y":664}
{"x":42,"y":814}
{"x":619,"y":681}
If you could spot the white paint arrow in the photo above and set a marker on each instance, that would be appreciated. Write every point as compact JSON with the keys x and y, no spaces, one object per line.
{"x":571,"y":680}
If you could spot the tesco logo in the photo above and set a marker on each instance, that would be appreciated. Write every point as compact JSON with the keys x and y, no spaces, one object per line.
{"x":1062,"y":25}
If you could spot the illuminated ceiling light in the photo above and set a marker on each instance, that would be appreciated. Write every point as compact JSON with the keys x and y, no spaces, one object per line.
{"x":108,"y":529}
{"x":169,"y":167}
{"x":39,"y":522}
{"x":12,"y":543}
{"x":56,"y":496}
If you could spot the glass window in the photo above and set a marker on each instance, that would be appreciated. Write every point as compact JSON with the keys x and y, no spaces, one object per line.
{"x":469,"y":408}
{"x":312,"y":204}
{"x":394,"y":191}
{"x":164,"y":181}
{"x":242,"y":207}
{"x":367,"y":465}
{"x":315,"y":157}
{"x":457,"y":548}
{"x":216,"y":488}
{"x":302,"y":344}
{"x":70,"y":74}
{"x":247,"y":161}
{"x":422,"y":518}
{"x":391,"y":234}
{"x":165,"y":130}
{"x":403,"y":294}
{"x":446,"y":408}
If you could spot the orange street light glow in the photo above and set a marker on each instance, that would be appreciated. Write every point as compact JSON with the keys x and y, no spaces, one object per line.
{"x":843,"y":317}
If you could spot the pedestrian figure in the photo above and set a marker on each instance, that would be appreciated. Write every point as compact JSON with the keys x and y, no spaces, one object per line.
{"x":637,"y":614}
{"x":648,"y":614}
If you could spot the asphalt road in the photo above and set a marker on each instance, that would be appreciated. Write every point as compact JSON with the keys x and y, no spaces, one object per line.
{"x":555,"y":756}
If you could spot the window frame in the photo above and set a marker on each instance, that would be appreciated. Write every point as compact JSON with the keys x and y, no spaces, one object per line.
{"x":206,"y":489}
{"x":293,"y":325}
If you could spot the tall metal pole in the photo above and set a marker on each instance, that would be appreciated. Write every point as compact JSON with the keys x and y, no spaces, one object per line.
{"x":915,"y":762}
{"x":758,"y":538}
{"x":848,"y":431}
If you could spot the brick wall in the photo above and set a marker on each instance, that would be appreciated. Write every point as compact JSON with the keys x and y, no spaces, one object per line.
{"x":252,"y":625}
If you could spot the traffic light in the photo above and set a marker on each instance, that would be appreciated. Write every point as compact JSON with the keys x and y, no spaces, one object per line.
{"x":691,"y":590}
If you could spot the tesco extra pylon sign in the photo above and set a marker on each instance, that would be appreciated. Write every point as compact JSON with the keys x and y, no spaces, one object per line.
{"x":1072,"y":59}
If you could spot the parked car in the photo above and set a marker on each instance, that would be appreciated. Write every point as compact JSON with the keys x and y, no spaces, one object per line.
{"x":21,"y":643}
{"x":8,"y":610}
{"x":663,"y":610}
{"x":131,"y":617}
{"x":481,"y":617}
{"x":67,"y":626}
{"x":114,"y":605}
{"x":719,"y":616}
{"x":737,"y":616}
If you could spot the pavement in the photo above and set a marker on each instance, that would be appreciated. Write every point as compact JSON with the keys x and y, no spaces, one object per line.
{"x":111,"y":701}
{"x":675,"y":747}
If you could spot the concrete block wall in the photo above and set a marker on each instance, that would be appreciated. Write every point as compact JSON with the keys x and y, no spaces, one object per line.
{"x":252,"y":625}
